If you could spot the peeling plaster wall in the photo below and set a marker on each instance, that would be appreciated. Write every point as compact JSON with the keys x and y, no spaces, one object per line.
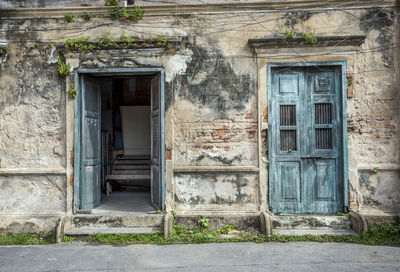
{"x":32,"y":109}
{"x":30,"y":194}
{"x":31,"y":203}
{"x":215,"y":92}
{"x":213,"y":191}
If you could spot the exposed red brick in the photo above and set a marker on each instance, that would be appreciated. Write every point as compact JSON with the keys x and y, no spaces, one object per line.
{"x":265,"y":111}
{"x":168,"y":154}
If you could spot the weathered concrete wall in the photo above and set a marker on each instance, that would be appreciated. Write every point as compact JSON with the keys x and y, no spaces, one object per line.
{"x":31,"y":203}
{"x":225,"y":191}
{"x":32,"y":106}
{"x":215,"y":98}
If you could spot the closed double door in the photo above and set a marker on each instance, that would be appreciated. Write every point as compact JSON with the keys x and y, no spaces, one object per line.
{"x":305,"y":132}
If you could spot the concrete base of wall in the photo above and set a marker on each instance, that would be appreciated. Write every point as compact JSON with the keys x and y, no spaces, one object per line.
{"x":28,"y":223}
{"x":380,"y":219}
{"x":247,"y":222}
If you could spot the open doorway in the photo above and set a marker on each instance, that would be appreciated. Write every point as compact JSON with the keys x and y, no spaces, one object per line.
{"x":119,"y":140}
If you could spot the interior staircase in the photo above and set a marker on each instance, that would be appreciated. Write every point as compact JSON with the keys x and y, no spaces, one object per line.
{"x":129,"y":170}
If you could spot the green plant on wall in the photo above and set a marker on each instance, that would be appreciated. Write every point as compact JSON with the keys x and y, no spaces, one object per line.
{"x":110,"y":3}
{"x":124,"y":13}
{"x":136,"y":14}
{"x":115,"y":12}
{"x":106,"y":40}
{"x":123,"y":37}
{"x":375,"y":171}
{"x":68,"y":17}
{"x":4,"y":50}
{"x":162,"y":41}
{"x":72,"y":92}
{"x":289,"y":34}
{"x":204,"y":222}
{"x":63,"y":69}
{"x":86,"y":15}
{"x":309,"y":38}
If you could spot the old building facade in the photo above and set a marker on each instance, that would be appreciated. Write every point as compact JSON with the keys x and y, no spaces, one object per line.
{"x":245,"y":108}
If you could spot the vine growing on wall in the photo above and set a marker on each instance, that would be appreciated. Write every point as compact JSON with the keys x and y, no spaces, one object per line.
{"x":63,"y":69}
{"x":72,"y":92}
{"x":106,"y":41}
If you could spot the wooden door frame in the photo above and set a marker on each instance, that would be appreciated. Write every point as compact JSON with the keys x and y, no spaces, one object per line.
{"x":342,"y":99}
{"x":77,"y":122}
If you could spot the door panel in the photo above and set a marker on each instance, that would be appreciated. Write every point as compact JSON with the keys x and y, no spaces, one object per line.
{"x":290,"y":181}
{"x":325,"y":180}
{"x":90,"y":193}
{"x":156,"y":135}
{"x":305,"y":133}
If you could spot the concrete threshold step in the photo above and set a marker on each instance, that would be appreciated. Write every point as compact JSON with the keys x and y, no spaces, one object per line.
{"x":117,"y":221}
{"x":93,"y":230}
{"x":311,"y":225}
{"x":313,"y":231}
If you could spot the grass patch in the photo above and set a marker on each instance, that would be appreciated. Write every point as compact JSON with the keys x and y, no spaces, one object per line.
{"x":26,"y":239}
{"x":385,"y":234}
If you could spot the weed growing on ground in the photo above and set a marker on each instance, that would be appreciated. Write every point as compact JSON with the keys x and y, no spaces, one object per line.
{"x":226,"y":229}
{"x":67,"y":239}
{"x":27,"y":239}
{"x":383,"y":234}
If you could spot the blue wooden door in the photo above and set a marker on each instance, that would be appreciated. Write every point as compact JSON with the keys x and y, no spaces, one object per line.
{"x":156,"y":142}
{"x":90,"y":193}
{"x":305,"y":132}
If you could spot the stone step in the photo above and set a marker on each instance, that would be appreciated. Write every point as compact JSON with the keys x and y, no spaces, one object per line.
{"x":134,"y":162}
{"x":128,"y":177}
{"x":116,"y":221}
{"x":308,"y":224}
{"x":135,"y":183}
{"x":312,"y":232}
{"x":89,"y":231}
{"x":130,"y":167}
{"x":134,"y":157}
{"x":131,"y":172}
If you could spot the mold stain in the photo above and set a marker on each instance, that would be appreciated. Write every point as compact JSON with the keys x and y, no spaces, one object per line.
{"x":371,"y":190}
{"x":220,"y":159}
{"x":381,"y":20}
{"x":210,"y":82}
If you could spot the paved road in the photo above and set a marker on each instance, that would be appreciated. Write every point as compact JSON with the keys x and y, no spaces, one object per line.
{"x":205,"y":257}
